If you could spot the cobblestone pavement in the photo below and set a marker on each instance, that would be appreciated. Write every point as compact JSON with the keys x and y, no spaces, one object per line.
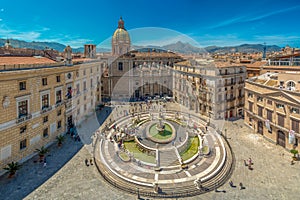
{"x":33,"y":173}
{"x":272,"y":176}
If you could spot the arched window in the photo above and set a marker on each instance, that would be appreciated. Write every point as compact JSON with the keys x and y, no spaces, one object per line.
{"x":291,"y":85}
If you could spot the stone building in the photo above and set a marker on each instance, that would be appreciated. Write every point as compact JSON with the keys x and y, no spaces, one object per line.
{"x":89,"y":51}
{"x":214,"y":89}
{"x":139,"y":74}
{"x":272,"y":107}
{"x":41,"y":98}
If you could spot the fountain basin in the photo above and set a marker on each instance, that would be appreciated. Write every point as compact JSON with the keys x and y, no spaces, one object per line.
{"x":162,"y":136}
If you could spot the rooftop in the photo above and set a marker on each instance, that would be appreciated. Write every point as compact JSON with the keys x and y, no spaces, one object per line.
{"x":18,"y":60}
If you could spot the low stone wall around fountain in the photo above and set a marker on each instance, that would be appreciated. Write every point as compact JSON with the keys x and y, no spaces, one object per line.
{"x":151,"y":151}
{"x":183,"y":146}
{"x":160,"y":141}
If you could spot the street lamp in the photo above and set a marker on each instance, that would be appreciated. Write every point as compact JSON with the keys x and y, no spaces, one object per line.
{"x":138,"y":193}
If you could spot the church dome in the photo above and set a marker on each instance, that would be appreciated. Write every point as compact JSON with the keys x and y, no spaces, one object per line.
{"x":120,"y":34}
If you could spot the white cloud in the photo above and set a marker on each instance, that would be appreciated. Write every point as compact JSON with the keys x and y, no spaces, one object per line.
{"x":27,"y":36}
{"x":250,"y":18}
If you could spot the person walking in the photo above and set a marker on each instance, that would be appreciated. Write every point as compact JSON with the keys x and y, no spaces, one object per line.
{"x":86,"y":162}
{"x":231,"y":184}
{"x":45,"y":162}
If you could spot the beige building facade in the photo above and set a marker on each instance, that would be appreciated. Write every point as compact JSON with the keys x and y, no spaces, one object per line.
{"x":272,"y":107}
{"x":40,"y":100}
{"x":215,"y":90}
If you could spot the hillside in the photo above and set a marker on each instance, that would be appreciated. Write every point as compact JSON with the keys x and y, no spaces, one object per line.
{"x":179,"y":47}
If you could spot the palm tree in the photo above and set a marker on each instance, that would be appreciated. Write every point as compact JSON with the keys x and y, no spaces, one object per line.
{"x":12,"y":168}
{"x":60,"y":139}
{"x":42,"y":152}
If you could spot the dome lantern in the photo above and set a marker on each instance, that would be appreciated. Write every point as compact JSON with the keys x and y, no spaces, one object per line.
{"x":121,"y":23}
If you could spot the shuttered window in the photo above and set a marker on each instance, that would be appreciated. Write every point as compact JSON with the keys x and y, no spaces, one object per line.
{"x":250,"y":106}
{"x":260,"y":111}
{"x":281,"y":120}
{"x":295,"y":125}
{"x":269,"y":115}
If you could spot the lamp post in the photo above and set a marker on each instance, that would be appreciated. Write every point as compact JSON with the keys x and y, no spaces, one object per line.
{"x":225,"y":133}
{"x":138,"y":193}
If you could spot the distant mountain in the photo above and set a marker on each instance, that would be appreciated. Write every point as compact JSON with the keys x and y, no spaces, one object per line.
{"x":136,"y":47}
{"x":245,"y":48}
{"x":186,"y":48}
{"x":178,"y":47}
{"x":42,"y":45}
{"x":34,"y":45}
{"x":181,"y":47}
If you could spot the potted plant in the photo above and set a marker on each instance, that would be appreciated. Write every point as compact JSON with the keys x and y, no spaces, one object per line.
{"x":60,"y":139}
{"x":12,"y":168}
{"x":294,"y":152}
{"x":42,"y":152}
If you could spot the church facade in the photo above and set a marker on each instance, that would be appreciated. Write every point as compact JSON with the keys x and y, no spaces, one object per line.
{"x":136,"y":74}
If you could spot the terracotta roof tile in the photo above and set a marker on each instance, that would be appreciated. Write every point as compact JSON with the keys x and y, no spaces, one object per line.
{"x":13,"y":60}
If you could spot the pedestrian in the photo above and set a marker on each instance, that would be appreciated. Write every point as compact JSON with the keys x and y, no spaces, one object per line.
{"x":250,"y":161}
{"x":45,"y":162}
{"x":91,"y":161}
{"x":241,"y":186}
{"x":231,"y":184}
{"x":86,"y":162}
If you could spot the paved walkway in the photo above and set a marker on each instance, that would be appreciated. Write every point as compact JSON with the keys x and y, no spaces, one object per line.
{"x":33,"y":174}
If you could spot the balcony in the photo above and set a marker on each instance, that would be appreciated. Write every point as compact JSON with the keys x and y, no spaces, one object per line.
{"x":59,"y":103}
{"x":231,"y":99}
{"x":68,"y":103}
{"x":24,"y":118}
{"x":46,"y":109}
{"x":230,"y":83}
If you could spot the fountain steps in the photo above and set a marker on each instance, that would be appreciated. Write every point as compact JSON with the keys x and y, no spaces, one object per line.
{"x":168,"y":158}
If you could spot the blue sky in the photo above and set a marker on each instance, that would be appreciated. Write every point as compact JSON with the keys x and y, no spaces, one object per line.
{"x":221,"y":23}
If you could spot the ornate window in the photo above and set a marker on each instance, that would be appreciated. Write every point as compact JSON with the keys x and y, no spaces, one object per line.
{"x":23,"y":108}
{"x":291,"y":85}
{"x":58,"y":96}
{"x":45,"y":101}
